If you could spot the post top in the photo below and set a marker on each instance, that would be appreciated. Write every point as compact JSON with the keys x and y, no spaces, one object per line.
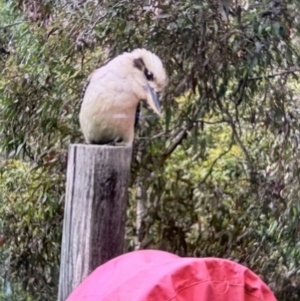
{"x":103,"y":146}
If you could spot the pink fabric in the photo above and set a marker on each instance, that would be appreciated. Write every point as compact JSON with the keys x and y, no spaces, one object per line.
{"x":150,"y":275}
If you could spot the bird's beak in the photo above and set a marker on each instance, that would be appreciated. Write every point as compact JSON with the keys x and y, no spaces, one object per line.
{"x":152,"y":99}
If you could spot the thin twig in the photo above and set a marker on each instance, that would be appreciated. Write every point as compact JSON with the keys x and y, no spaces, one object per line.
{"x":11,"y":25}
{"x":274,"y":75}
{"x":242,"y":146}
{"x":217,"y":159}
{"x":234,"y":131}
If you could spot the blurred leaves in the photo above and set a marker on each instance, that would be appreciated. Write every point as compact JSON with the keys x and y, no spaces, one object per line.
{"x":31,"y":223}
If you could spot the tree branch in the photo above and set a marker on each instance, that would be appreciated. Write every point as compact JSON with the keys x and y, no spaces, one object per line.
{"x":178,"y":139}
{"x":274,"y":75}
{"x":182,"y":133}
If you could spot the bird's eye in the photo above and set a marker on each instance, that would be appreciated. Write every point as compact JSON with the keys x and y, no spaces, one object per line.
{"x":148,"y":74}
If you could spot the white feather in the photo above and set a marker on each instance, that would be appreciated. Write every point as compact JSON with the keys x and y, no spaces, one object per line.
{"x":113,"y":93}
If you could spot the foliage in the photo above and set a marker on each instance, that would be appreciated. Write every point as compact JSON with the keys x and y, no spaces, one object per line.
{"x":219,"y":172}
{"x":31,"y":218}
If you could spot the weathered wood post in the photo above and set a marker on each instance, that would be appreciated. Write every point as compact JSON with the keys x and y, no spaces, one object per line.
{"x":95,"y":211}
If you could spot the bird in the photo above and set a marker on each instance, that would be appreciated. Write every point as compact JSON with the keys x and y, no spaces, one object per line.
{"x":112,"y":95}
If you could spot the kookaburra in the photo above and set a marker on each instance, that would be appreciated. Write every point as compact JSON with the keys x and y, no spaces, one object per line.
{"x":112,"y":96}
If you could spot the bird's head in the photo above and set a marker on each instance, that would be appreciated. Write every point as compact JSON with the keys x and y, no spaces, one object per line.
{"x":153,"y":75}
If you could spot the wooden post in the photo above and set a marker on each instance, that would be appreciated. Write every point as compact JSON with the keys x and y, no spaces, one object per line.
{"x":95,"y":211}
